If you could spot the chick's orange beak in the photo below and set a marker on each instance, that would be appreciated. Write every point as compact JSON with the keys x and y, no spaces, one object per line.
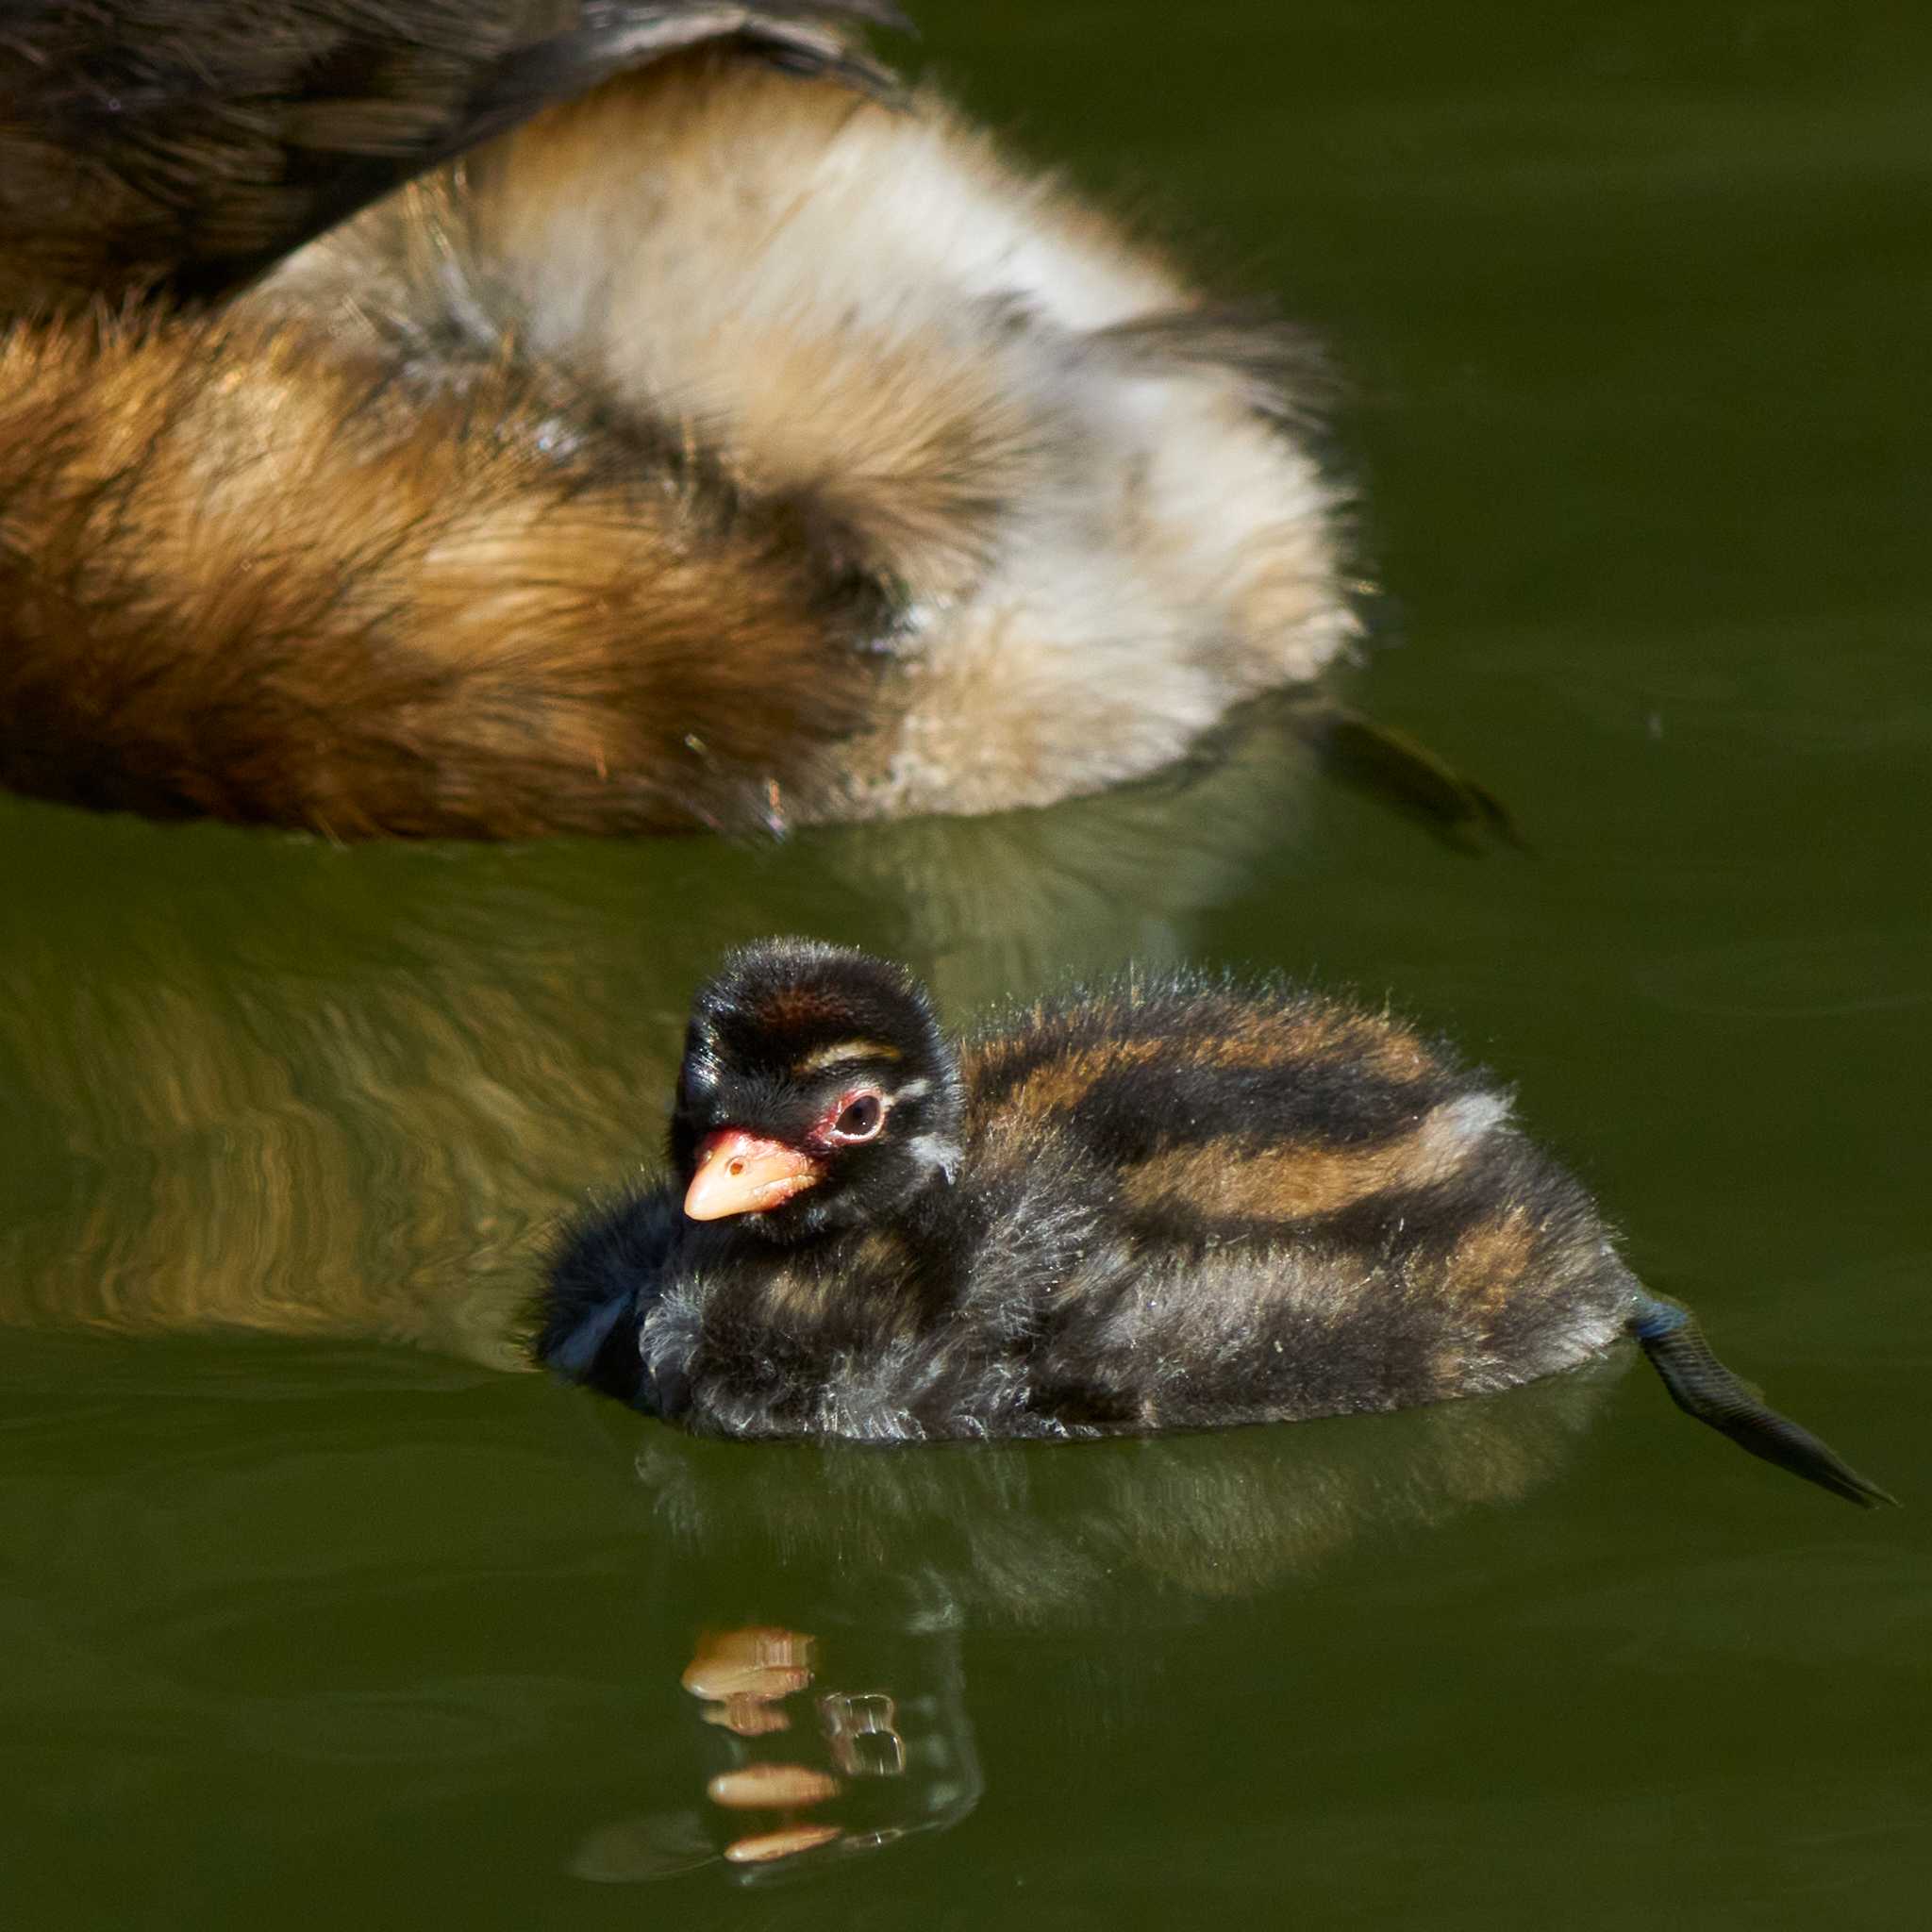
{"x":739,"y":1174}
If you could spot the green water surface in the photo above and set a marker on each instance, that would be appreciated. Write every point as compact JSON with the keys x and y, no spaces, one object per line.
{"x":314,"y":1615}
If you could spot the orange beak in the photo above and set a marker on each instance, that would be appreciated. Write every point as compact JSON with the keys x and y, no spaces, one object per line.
{"x":739,"y":1174}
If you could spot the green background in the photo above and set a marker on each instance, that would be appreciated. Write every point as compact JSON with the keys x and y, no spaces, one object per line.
{"x":335,"y":1622}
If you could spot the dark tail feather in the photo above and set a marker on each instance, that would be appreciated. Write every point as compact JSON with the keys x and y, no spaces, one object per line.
{"x":1700,"y":1384}
{"x":626,"y":35}
{"x":1403,"y":772}
{"x":183,"y":150}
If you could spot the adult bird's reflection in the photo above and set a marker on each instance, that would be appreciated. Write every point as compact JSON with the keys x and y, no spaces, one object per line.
{"x":289,"y":1090}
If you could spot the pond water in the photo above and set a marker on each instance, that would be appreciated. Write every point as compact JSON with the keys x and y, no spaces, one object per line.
{"x":315,"y":1615}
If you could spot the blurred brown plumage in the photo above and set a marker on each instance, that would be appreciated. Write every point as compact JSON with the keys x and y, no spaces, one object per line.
{"x":711,"y":445}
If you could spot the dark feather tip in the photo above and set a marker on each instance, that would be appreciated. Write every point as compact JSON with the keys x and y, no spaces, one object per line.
{"x":1702,"y":1387}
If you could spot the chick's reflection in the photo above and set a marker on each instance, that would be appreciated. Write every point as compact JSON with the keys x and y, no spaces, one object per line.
{"x":1094,"y":1532}
{"x":746,"y":1677}
{"x":747,"y":1680}
{"x":845,"y":1723}
{"x":819,"y":1771}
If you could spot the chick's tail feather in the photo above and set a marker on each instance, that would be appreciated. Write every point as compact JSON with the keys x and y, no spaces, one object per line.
{"x":1701,"y":1386}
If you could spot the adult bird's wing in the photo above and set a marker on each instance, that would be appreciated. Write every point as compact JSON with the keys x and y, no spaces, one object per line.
{"x":183,"y":146}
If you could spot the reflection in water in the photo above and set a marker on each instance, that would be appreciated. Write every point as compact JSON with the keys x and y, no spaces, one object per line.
{"x":259,"y":1082}
{"x":1033,"y":1534}
{"x":256,"y":1083}
{"x":818,"y":1773}
{"x":340,"y":1599}
{"x":847,"y":1724}
{"x":815,"y":1772}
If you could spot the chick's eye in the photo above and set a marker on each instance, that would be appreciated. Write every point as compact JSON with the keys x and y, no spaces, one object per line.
{"x":859,"y":1119}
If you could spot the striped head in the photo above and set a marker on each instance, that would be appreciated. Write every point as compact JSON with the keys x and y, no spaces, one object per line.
{"x":817,"y":1092}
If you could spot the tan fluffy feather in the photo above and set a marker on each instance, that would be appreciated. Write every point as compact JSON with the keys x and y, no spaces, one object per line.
{"x":720,"y":448}
{"x":248,"y":578}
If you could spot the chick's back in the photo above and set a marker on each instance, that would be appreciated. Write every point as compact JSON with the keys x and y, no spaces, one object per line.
{"x":1294,"y":1208}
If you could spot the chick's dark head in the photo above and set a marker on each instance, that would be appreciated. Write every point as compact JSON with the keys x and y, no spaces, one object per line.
{"x":817,"y":1092}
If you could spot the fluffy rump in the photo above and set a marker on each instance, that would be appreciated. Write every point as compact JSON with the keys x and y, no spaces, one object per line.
{"x":244,"y":576}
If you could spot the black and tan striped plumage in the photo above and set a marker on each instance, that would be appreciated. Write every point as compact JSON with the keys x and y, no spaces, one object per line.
{"x":1176,"y":1205}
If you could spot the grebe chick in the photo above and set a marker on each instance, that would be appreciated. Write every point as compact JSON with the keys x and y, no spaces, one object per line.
{"x":1177,"y":1205}
{"x":719,"y":447}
